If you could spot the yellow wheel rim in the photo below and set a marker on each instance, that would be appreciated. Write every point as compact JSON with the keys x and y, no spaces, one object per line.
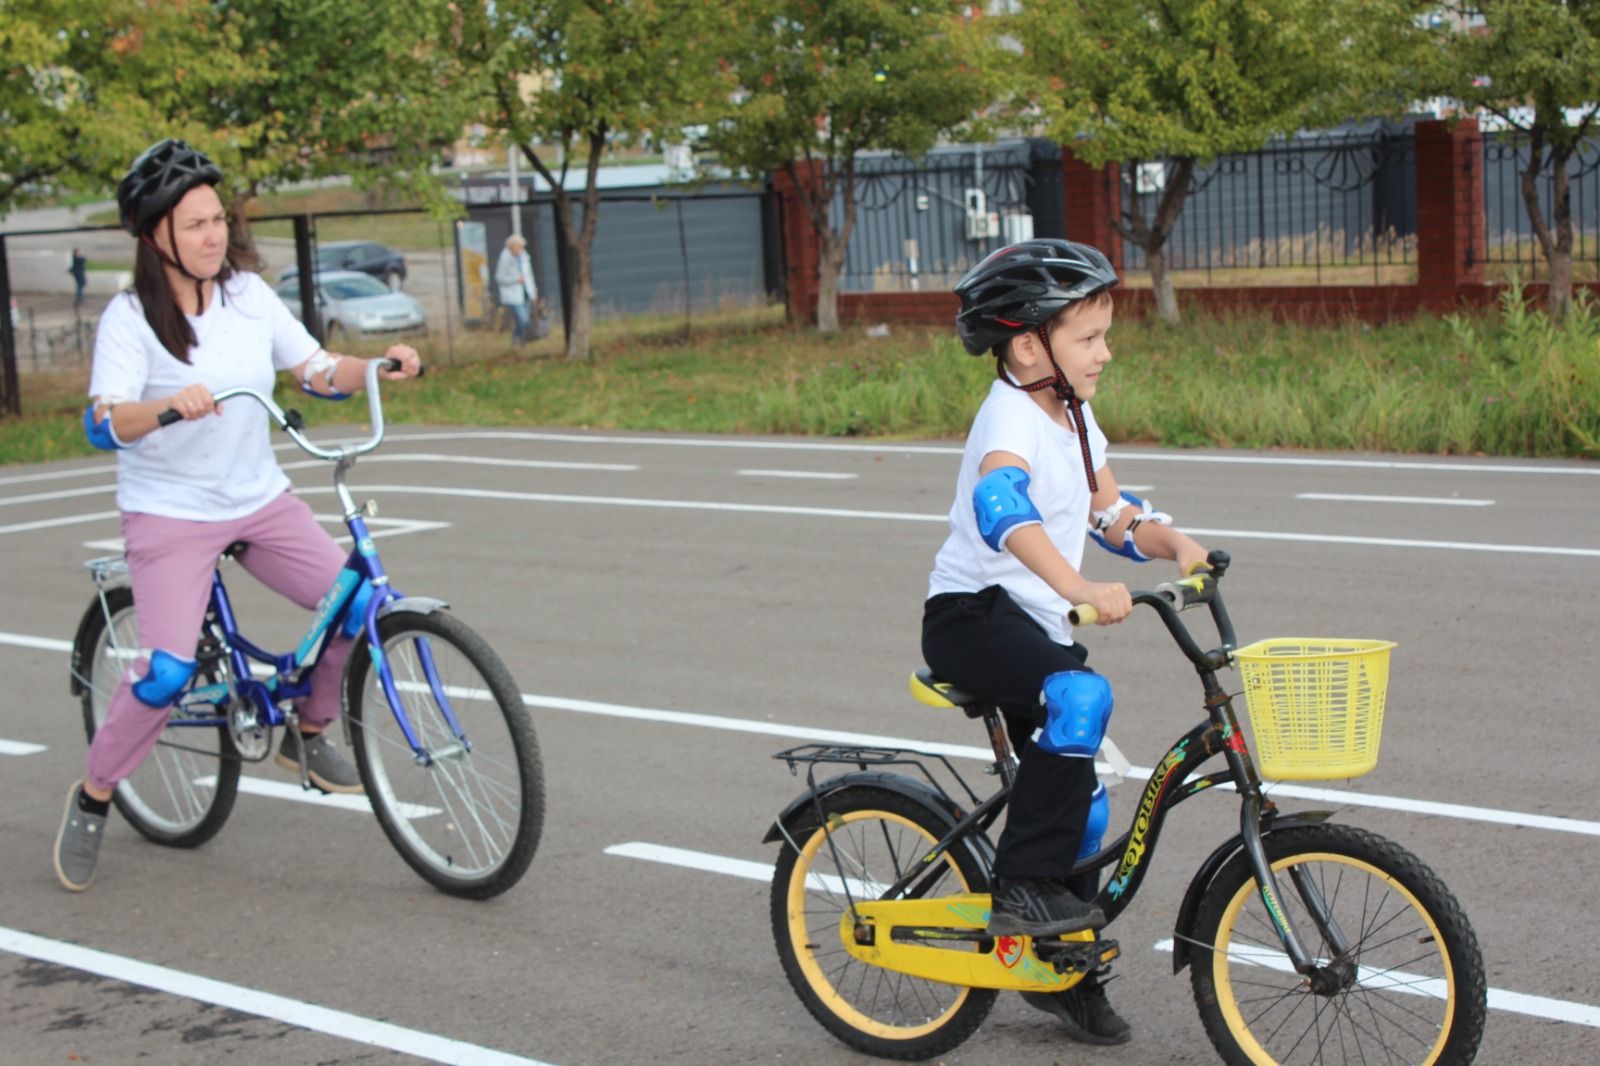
{"x":802,"y":936}
{"x":1222,"y":964}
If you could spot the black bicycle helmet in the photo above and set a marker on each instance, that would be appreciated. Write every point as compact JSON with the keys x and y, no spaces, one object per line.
{"x":1023,"y":286}
{"x":158,"y":179}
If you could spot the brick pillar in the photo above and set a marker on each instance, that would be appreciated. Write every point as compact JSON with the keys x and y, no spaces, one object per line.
{"x":802,"y":248}
{"x":1093,"y":200}
{"x":1450,"y":214}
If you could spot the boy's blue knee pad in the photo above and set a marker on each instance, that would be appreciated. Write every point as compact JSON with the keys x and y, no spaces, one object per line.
{"x":164,"y":679}
{"x":1077,"y":706}
{"x":1094,"y":830}
{"x":356,"y":616}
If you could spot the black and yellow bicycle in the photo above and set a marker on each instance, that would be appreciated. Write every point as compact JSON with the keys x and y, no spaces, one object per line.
{"x":1307,"y":941}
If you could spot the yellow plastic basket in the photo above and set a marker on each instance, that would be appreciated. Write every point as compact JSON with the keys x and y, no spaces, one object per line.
{"x":1315,"y":704}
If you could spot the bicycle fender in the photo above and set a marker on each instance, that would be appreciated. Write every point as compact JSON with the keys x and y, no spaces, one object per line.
{"x":414,"y":604}
{"x":910,"y":787}
{"x":1189,"y":912}
{"x":80,"y":650}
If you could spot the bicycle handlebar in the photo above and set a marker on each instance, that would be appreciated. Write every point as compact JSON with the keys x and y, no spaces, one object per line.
{"x":1170,"y":597}
{"x":293,"y":424}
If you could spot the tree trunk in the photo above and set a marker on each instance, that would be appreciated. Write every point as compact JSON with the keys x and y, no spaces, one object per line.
{"x":828,"y":269}
{"x":581,"y":314}
{"x":240,"y":239}
{"x":1161,"y":283}
{"x":1561,"y":253}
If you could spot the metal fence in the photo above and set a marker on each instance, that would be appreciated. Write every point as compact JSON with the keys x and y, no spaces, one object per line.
{"x":1509,"y":236}
{"x":1334,"y":202}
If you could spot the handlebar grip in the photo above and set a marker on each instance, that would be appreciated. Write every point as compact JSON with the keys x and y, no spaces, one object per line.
{"x":1083,"y":614}
{"x":167,"y":417}
{"x":394,"y":364}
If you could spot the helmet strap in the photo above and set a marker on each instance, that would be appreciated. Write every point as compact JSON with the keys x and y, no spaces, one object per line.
{"x":176,"y":263}
{"x":1065,"y":393}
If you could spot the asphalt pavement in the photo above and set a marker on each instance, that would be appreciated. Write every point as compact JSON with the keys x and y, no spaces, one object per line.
{"x":676,"y":609}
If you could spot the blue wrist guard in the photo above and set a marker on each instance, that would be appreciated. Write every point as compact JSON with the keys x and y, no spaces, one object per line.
{"x":99,"y":432}
{"x":1001,"y":503}
{"x":1104,"y":520}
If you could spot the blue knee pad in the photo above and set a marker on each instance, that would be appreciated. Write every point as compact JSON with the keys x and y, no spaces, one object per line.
{"x":356,"y":616}
{"x":164,"y":679}
{"x":1077,"y":706}
{"x":1094,"y":830}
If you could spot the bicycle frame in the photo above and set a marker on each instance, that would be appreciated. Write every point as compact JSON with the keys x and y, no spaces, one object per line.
{"x":290,"y":676}
{"x":1169,"y":785}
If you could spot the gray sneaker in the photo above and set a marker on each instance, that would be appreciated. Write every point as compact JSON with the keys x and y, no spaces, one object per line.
{"x":77,"y":843}
{"x":326,"y":766}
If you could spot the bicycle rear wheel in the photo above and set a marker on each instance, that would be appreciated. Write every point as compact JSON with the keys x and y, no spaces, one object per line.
{"x":873,"y":837}
{"x":468,"y":816}
{"x":1414,"y":988}
{"x":183,"y":792}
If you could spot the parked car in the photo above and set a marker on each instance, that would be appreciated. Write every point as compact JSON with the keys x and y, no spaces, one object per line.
{"x":357,"y":305}
{"x":369,"y":257}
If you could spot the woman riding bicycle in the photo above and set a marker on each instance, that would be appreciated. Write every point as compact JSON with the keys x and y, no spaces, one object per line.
{"x":1033,"y":479}
{"x":194,"y":324}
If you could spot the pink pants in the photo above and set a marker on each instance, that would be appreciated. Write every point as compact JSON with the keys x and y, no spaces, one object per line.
{"x":170,"y":561}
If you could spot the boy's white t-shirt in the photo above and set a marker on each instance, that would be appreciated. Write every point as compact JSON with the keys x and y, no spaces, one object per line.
{"x":1011,"y":421}
{"x":221,"y":466}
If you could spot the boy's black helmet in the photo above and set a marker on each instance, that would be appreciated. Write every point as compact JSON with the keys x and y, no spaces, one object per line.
{"x":1023,"y":286}
{"x":158,"y":179}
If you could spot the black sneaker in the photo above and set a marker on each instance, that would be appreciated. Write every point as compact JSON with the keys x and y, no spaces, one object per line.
{"x":1038,"y":907}
{"x":1085,"y":1011}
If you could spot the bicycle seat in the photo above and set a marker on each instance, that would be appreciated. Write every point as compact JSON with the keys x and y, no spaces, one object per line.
{"x":935,"y":693}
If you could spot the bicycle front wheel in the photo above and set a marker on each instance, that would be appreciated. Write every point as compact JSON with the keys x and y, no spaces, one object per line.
{"x":870,"y":837}
{"x":183,"y":792}
{"x":1412,"y":986}
{"x":466,"y":809}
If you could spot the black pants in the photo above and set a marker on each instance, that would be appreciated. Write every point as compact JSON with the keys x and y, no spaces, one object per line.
{"x":984,"y":643}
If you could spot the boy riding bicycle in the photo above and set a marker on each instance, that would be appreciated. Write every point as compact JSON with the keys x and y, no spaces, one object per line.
{"x":1033,"y":481}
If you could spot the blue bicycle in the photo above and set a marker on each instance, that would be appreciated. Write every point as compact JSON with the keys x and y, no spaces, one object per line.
{"x":438,"y":728}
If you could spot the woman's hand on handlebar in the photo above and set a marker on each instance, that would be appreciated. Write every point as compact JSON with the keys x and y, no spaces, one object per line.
{"x":410,"y":363}
{"x":192,"y":402}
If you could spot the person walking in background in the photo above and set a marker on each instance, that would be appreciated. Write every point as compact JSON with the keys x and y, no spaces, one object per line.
{"x":80,"y":276}
{"x":513,"y":276}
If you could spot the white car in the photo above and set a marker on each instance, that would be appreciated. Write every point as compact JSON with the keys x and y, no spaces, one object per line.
{"x":357,"y":305}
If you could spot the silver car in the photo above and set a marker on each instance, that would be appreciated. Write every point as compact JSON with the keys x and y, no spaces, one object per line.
{"x":357,"y":305}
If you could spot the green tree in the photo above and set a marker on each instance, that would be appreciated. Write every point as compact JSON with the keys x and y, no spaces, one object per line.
{"x":820,"y":80}
{"x":1129,"y":80}
{"x":579,"y":78}
{"x":83,"y":82}
{"x":1535,"y":65}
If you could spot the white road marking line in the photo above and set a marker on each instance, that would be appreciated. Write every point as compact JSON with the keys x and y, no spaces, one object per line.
{"x":903,"y":516}
{"x":57,"y":475}
{"x":1339,"y":497}
{"x":1560,"y":1010}
{"x":283,"y":790}
{"x":302,"y":1015}
{"x":20,"y":747}
{"x":62,"y":494}
{"x":787,"y":731}
{"x":936,"y":449}
{"x":814,"y":475}
{"x":51,"y":523}
{"x":470,"y":460}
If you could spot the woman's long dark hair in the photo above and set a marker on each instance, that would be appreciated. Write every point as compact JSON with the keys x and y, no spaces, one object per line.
{"x":160,"y":304}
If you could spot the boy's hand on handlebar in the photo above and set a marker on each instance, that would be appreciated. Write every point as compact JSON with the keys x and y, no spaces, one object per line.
{"x":410,"y":363}
{"x":1112,"y":602}
{"x":192,"y":402}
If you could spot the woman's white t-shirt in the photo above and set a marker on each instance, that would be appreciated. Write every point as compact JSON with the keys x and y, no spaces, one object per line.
{"x":221,"y":466}
{"x":1011,"y":421}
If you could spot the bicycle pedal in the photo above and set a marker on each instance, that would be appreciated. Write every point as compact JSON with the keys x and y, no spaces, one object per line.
{"x":1076,"y":956}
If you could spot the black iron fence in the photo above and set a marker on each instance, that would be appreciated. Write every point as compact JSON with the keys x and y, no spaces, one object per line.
{"x":1509,"y":235}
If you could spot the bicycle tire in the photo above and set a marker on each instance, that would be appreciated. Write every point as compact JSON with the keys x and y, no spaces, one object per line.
{"x":870,"y":1009}
{"x":183,"y":792}
{"x":470,"y":821}
{"x":1418,"y":995}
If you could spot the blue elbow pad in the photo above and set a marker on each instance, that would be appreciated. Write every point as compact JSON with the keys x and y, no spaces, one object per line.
{"x":164,"y":679}
{"x":1077,"y":707}
{"x":1001,"y":503}
{"x":335,"y":395}
{"x":99,"y":433}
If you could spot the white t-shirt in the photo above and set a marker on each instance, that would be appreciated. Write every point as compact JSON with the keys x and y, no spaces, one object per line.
{"x":1010,"y":421}
{"x":221,"y":466}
